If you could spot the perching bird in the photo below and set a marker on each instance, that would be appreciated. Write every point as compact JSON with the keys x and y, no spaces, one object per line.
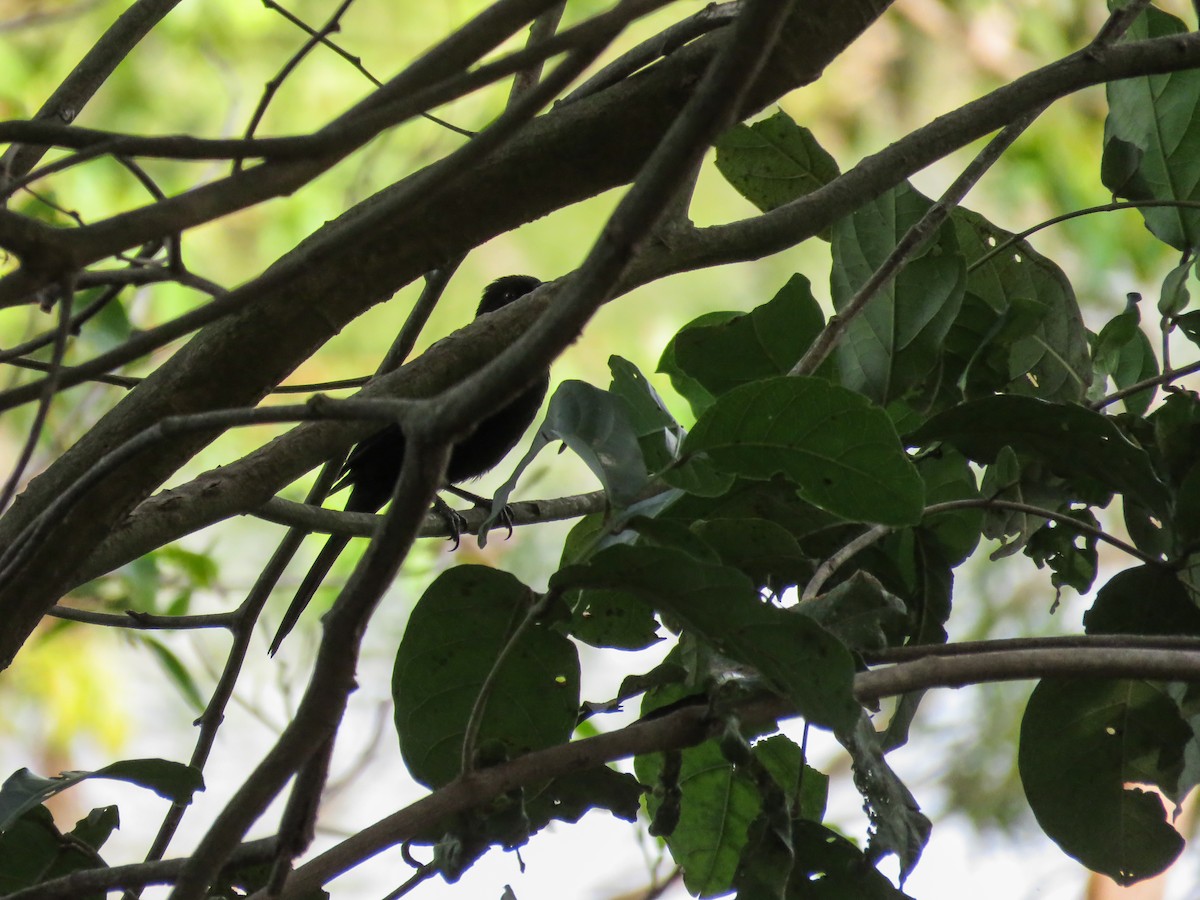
{"x":374,"y":464}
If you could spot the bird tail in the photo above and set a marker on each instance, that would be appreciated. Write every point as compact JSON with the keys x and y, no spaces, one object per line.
{"x":316,"y":574}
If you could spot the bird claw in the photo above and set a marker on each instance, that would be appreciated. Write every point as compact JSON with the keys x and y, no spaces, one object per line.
{"x":506,"y":517}
{"x":456,"y":523}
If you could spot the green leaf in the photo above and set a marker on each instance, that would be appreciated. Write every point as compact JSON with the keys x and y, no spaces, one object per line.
{"x":860,"y":612}
{"x":1177,"y":434}
{"x":765,"y":552}
{"x":568,"y":797}
{"x":691,"y":390}
{"x":1123,"y":352}
{"x":453,"y":641}
{"x":721,"y":605}
{"x":612,"y":619}
{"x":1143,"y":600}
{"x":1173,"y":298}
{"x":1073,"y":441}
{"x":830,"y":867}
{"x":94,"y":829}
{"x":764,"y":342}
{"x":659,"y":434}
{"x":1020,"y":329}
{"x":1152,"y":139}
{"x":840,"y":451}
{"x":774,"y":161}
{"x":1084,"y":744}
{"x":895,"y":344}
{"x":897,"y":824}
{"x":33,"y":851}
{"x":176,"y":671}
{"x":24,"y":790}
{"x":596,"y":425}
{"x":948,"y":477}
{"x":1069,"y":552}
{"x":716,"y":808}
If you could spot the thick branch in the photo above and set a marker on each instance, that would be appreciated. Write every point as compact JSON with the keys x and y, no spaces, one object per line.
{"x":572,"y":153}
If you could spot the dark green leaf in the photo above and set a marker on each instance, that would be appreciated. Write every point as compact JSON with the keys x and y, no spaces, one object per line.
{"x":1143,"y":600}
{"x":94,"y":829}
{"x":1069,"y":552}
{"x":765,"y":342}
{"x":568,"y":797}
{"x":948,"y":477}
{"x":765,"y":552}
{"x":716,"y":807}
{"x":1173,"y":298}
{"x":33,"y":851}
{"x":829,"y":867}
{"x":1123,"y":352}
{"x":1072,"y":440}
{"x":1020,"y":329}
{"x":23,"y":790}
{"x":691,"y":390}
{"x":1152,"y":139}
{"x":897,"y":824}
{"x":860,"y":612}
{"x":721,"y":605}
{"x":840,"y":451}
{"x":895,"y":344}
{"x":453,"y":641}
{"x":1082,"y":743}
{"x":596,"y":425}
{"x":1177,"y":434}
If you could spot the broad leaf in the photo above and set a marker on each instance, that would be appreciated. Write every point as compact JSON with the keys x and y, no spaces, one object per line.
{"x":596,"y":425}
{"x":1143,"y":600}
{"x":840,"y":451}
{"x":774,"y":161}
{"x":1071,"y":440}
{"x":897,"y":341}
{"x":764,"y":342}
{"x":454,"y":640}
{"x":1085,"y":746}
{"x":1020,"y":329}
{"x":721,"y":605}
{"x":1152,"y":139}
{"x":23,"y":790}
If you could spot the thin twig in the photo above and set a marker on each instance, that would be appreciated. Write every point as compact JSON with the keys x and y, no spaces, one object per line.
{"x":842,"y":556}
{"x":315,"y":39}
{"x":1041,"y":512}
{"x":537,"y":606}
{"x":140,"y":621}
{"x":1137,"y":387}
{"x":50,"y":388}
{"x":355,"y":61}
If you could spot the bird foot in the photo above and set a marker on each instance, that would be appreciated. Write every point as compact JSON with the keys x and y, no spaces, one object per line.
{"x":455,"y":522}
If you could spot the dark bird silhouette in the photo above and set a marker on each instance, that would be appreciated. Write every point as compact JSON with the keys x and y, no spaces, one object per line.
{"x":373,"y":466}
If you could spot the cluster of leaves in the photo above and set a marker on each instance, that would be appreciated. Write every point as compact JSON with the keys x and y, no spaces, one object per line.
{"x":812,"y":515}
{"x":965,"y":403}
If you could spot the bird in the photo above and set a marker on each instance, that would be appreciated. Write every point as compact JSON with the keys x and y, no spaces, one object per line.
{"x":373,"y":466}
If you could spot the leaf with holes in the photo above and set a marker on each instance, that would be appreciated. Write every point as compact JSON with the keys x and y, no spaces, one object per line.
{"x":470,"y":628}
